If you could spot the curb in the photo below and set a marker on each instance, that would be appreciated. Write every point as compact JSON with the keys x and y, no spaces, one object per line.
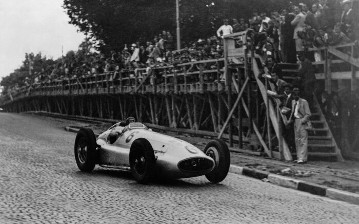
{"x":287,"y":182}
{"x":297,"y":184}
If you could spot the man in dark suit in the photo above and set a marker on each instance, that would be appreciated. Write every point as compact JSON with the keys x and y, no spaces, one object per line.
{"x":307,"y":74}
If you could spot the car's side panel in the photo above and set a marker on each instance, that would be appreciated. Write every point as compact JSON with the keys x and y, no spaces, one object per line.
{"x":113,"y":155}
{"x":116,"y":154}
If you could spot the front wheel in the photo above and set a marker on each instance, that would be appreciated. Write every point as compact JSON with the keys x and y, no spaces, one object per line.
{"x":219,"y":152}
{"x":85,"y":150}
{"x":142,"y":161}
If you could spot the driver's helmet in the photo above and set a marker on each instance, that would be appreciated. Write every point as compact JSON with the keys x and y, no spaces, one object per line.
{"x":130,"y":120}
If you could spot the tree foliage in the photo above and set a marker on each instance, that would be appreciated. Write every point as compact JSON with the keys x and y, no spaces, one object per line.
{"x":32,"y":65}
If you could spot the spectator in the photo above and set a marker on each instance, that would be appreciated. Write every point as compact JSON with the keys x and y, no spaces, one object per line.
{"x":225,"y":29}
{"x":299,"y":24}
{"x":286,"y":105}
{"x":264,"y":22}
{"x":236,"y":26}
{"x":243,"y":24}
{"x":170,"y":42}
{"x":338,"y":37}
{"x":307,"y":74}
{"x":135,"y":57}
{"x":312,"y":17}
{"x":346,"y":18}
{"x":288,"y":44}
{"x":300,"y":115}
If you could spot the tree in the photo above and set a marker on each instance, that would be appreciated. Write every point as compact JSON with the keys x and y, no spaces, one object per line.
{"x":112,"y":23}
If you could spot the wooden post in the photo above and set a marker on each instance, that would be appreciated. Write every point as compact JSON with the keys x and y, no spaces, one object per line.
{"x":201,"y":79}
{"x":120,"y":107}
{"x":228,"y":77}
{"x":189,"y":112}
{"x":168,"y":111}
{"x":174,"y":120}
{"x":268,"y":121}
{"x":141,"y":108}
{"x":121,"y":82}
{"x":249,"y":91}
{"x":213,"y":114}
{"x":151,"y":110}
{"x":195,"y":114}
{"x":240,"y":123}
{"x":354,"y":83}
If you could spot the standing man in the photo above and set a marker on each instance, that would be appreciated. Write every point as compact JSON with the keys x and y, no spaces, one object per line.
{"x":307,"y":74}
{"x":299,"y":24}
{"x":225,"y":29}
{"x":300,"y":114}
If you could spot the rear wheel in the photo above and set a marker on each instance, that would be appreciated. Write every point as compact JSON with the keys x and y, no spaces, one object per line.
{"x":219,"y":152}
{"x":142,"y":161}
{"x":85,"y":150}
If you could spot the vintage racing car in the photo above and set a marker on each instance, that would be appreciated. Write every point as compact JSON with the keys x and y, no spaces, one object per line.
{"x":147,"y":154}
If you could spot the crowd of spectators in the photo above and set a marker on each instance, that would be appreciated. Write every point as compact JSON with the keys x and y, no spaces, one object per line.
{"x":285,"y":33}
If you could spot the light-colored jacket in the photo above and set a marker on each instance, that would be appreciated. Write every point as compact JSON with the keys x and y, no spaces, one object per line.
{"x":303,"y":110}
{"x":299,"y":23}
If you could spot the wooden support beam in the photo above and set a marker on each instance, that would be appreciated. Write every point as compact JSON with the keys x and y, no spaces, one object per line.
{"x":195,"y":114}
{"x":168,"y":108}
{"x":121,"y":107}
{"x":213,"y":114}
{"x":136,"y":108}
{"x":201,"y":114}
{"x":354,"y":81}
{"x":345,"y":57}
{"x":256,"y":131}
{"x":140,"y":110}
{"x":152,"y":112}
{"x":188,"y":112}
{"x":174,"y":119}
{"x":233,"y":108}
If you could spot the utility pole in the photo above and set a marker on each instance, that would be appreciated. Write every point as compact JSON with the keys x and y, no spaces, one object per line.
{"x":178,"y":26}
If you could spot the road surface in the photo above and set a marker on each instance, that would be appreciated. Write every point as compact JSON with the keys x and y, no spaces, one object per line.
{"x":40,"y":183}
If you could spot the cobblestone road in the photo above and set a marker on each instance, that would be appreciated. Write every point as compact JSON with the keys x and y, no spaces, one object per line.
{"x":40,"y":183}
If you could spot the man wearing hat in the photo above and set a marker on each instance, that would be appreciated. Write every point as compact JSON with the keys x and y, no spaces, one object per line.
{"x":300,"y":115}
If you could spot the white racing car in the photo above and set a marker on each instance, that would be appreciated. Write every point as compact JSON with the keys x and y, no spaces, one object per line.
{"x":132,"y":145}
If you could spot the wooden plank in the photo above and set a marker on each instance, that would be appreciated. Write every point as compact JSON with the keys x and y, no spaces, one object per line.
{"x":195,"y":113}
{"x":213,"y":114}
{"x":339,"y":75}
{"x":233,"y":109}
{"x":188,"y":112}
{"x":345,"y":57}
{"x":286,"y":152}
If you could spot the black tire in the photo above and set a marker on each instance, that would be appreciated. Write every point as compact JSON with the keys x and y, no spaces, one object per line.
{"x":219,"y":152}
{"x":85,"y":150}
{"x":142,"y":161}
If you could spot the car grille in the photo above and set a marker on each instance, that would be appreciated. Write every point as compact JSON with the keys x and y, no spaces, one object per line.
{"x":195,"y":164}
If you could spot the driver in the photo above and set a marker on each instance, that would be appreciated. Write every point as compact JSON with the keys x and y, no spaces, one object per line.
{"x":115,"y":133}
{"x":127,"y":121}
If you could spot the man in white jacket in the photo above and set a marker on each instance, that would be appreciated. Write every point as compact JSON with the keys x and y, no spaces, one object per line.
{"x":225,"y":29}
{"x":299,"y":23}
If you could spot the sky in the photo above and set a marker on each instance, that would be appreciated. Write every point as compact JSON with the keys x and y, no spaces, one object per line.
{"x":34,"y":26}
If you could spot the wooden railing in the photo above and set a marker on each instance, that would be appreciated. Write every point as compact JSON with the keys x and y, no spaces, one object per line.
{"x":343,"y":57}
{"x":191,"y":77}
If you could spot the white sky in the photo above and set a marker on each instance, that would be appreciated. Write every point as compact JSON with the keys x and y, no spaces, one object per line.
{"x":34,"y":26}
